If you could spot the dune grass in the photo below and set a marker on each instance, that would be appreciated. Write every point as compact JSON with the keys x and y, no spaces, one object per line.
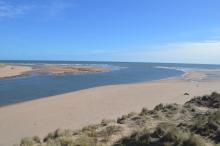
{"x":2,"y":65}
{"x":165,"y":125}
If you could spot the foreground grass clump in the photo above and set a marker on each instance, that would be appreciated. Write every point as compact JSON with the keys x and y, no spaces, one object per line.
{"x":58,"y":133}
{"x":27,"y":142}
{"x":2,"y":65}
{"x":196,"y":123}
{"x":194,"y":141}
{"x":140,"y":138}
{"x":68,"y":141}
{"x":211,"y":101}
{"x":208,"y":126}
{"x":109,"y":131}
{"x":162,"y":136}
{"x":30,"y":141}
{"x":85,"y":141}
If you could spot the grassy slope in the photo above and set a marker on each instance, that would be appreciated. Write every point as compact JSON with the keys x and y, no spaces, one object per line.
{"x":196,"y":123}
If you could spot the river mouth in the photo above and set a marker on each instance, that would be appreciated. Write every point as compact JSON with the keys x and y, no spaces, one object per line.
{"x":38,"y":86}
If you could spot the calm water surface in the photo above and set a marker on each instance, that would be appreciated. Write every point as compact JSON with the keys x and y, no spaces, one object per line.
{"x":39,"y":86}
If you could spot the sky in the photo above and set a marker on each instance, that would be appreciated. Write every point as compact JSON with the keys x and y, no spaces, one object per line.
{"x":175,"y":31}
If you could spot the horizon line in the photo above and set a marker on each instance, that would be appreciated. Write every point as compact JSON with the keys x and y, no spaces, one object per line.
{"x":50,"y":60}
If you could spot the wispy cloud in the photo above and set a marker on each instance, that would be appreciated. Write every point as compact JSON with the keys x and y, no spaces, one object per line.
{"x":11,"y":10}
{"x":207,"y":52}
{"x":188,"y":52}
{"x":48,"y":8}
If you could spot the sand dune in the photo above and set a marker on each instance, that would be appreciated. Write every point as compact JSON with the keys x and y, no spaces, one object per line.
{"x":77,"y":109}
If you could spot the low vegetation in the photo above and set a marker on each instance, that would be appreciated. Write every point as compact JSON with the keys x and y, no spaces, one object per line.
{"x":2,"y":65}
{"x":196,"y":123}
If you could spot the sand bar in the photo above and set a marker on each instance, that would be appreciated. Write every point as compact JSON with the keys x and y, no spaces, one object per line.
{"x":10,"y":71}
{"x":60,"y":70}
{"x":7,"y":71}
{"x":77,"y":109}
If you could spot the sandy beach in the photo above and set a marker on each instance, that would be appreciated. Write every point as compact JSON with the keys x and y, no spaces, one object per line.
{"x":77,"y":109}
{"x":8,"y":71}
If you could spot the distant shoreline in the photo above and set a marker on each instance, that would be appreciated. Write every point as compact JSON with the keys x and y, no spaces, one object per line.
{"x":10,"y":71}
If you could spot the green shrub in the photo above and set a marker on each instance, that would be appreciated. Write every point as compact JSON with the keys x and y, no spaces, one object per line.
{"x":37,"y":139}
{"x":58,"y":133}
{"x":138,"y":138}
{"x":68,"y":141}
{"x":63,"y":132}
{"x":90,"y":130}
{"x":109,"y":131}
{"x":49,"y":136}
{"x":2,"y":65}
{"x":65,"y":141}
{"x":161,"y":130}
{"x":122,"y":119}
{"x":51,"y":142}
{"x":144,"y":111}
{"x":27,"y":142}
{"x":85,"y":141}
{"x":131,"y":114}
{"x":216,"y":117}
{"x":105,"y":122}
{"x":211,"y":101}
{"x":176,"y":135}
{"x":143,"y":137}
{"x":194,"y":141}
{"x":159,"y":107}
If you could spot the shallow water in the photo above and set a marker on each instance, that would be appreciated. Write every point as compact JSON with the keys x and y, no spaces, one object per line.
{"x":38,"y":86}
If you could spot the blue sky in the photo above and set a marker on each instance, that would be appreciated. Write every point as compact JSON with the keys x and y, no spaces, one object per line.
{"x":111,"y":30}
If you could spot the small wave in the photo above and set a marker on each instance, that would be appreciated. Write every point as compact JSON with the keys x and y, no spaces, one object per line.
{"x":187,"y":69}
{"x":108,"y":66}
{"x":173,"y":68}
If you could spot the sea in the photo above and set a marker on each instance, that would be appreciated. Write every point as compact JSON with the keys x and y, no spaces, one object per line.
{"x":37,"y":86}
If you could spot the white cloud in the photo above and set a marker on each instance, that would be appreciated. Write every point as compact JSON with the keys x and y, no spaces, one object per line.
{"x":11,"y":10}
{"x":187,"y":52}
{"x":206,"y":52}
{"x":50,"y":7}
